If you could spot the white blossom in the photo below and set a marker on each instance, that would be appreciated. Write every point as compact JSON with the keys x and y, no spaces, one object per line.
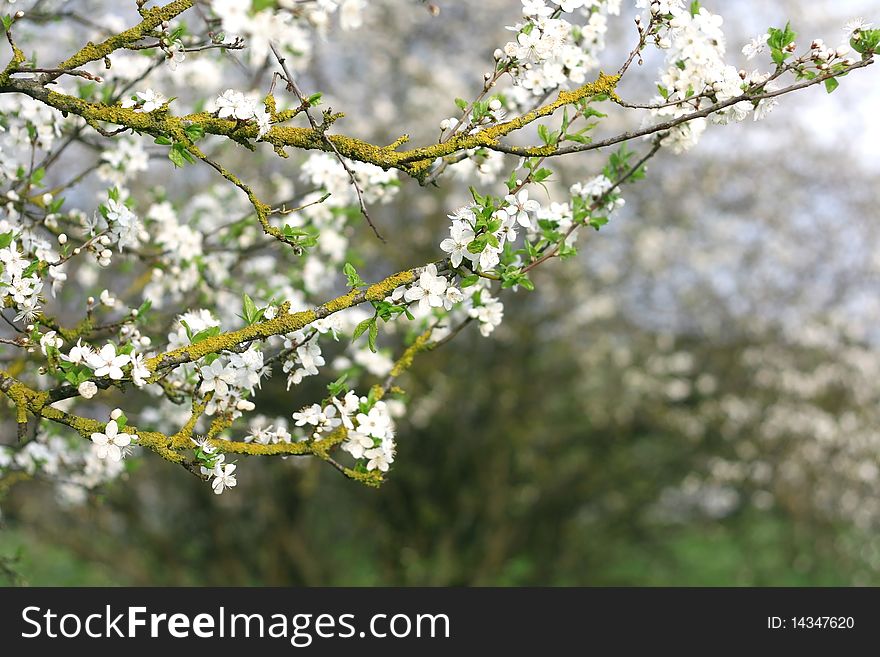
{"x":111,"y":443}
{"x":461,"y":234}
{"x":429,"y":289}
{"x":145,"y":101}
{"x":223,"y":477}
{"x":107,"y":362}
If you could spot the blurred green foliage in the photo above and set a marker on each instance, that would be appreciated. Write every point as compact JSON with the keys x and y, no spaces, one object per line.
{"x":505,"y":486}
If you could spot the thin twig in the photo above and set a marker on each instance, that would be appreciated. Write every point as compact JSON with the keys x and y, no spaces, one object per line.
{"x":60,"y":71}
{"x":292,"y":86}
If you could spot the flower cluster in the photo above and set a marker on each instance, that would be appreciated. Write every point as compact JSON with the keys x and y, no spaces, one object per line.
{"x":20,"y":285}
{"x":213,"y":466}
{"x":263,"y":432}
{"x":235,"y":105}
{"x":550,"y":51}
{"x":230,"y":381}
{"x":368,"y":425}
{"x":108,"y":361}
{"x":304,"y":360}
{"x":431,"y":291}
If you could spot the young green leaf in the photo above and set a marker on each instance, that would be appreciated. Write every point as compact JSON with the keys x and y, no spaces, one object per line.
{"x":360,"y":328}
{"x":374,"y":333}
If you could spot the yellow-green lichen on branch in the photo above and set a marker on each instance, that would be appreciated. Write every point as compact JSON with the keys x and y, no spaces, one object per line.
{"x":171,"y":447}
{"x":378,"y":291}
{"x":488,"y":138}
{"x":414,"y":162}
{"x":26,"y":399}
{"x":227,"y":341}
{"x":282,"y":324}
{"x":403,"y":363}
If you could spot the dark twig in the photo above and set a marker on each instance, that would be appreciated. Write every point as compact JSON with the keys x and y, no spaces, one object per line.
{"x":293,"y":87}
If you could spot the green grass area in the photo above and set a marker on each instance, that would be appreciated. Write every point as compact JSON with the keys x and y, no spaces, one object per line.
{"x":29,"y":561}
{"x":756,"y":549}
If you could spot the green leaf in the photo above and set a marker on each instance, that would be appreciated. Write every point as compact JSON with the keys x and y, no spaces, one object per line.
{"x":353,"y":278}
{"x":590,"y":111}
{"x":778,"y":39}
{"x":180,"y":155}
{"x":360,"y":328}
{"x":249,"y":308}
{"x":598,"y":222}
{"x":541,"y":175}
{"x":194,"y":131}
{"x":176,"y":157}
{"x":581,"y":139}
{"x":461,"y":103}
{"x":37,"y":177}
{"x":338,"y":386}
{"x":30,"y":269}
{"x":548,"y":137}
{"x":867,"y":42}
{"x":831,"y":84}
{"x":209,"y":332}
{"x":478,"y":245}
{"x":374,"y":333}
{"x":511,"y":181}
{"x":5,"y":239}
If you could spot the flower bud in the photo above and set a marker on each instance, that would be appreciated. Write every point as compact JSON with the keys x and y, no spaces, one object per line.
{"x":87,"y":389}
